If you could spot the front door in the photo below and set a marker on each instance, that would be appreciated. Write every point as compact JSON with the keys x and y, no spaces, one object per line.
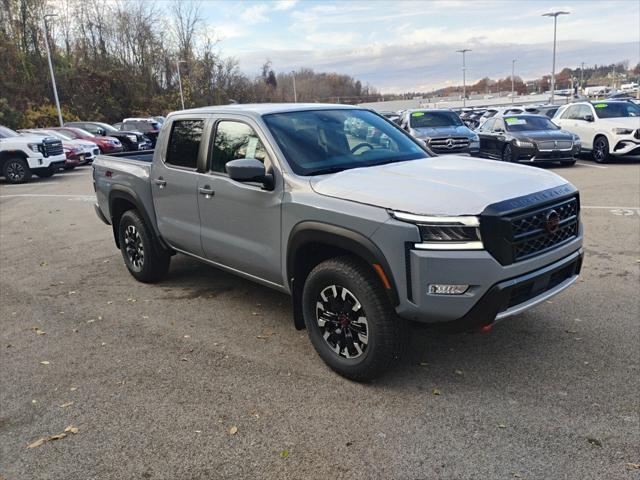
{"x":174,"y":186}
{"x":240,"y":222}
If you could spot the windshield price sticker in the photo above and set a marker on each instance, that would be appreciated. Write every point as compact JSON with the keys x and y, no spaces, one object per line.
{"x":601,"y":105}
{"x":417,"y":114}
{"x":515,"y":121}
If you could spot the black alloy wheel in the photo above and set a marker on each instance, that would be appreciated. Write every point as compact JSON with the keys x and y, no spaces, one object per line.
{"x":342,"y":321}
{"x":601,"y":150}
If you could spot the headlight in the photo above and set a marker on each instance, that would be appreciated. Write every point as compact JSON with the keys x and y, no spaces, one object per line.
{"x":524,"y":144}
{"x":34,"y":147}
{"x":622,"y":131}
{"x":445,"y":233}
{"x":133,"y":138}
{"x":576,"y":140}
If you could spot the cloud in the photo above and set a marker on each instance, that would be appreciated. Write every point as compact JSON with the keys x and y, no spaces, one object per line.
{"x":285,"y":4}
{"x":254,"y":14}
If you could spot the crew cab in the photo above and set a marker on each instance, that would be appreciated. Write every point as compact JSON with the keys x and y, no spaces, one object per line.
{"x":365,"y":238}
{"x":606,"y":128}
{"x":23,"y":155}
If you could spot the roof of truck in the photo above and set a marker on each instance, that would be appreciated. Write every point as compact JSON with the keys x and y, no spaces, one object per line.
{"x":259,"y":109}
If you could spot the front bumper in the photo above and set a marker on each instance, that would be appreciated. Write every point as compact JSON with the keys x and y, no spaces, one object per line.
{"x":625,"y":145}
{"x":480,"y":304}
{"x":533,"y":155}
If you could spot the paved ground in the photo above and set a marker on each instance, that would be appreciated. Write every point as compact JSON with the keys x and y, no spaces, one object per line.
{"x":159,"y":374}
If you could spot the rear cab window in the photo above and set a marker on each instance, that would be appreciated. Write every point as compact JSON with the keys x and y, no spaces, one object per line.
{"x":184,"y":143}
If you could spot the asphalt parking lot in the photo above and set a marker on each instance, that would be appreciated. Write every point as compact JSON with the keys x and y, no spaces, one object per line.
{"x":157,"y":378}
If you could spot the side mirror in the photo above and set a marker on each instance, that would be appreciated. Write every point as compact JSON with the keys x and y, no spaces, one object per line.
{"x":499,"y":130}
{"x":249,"y":170}
{"x":588,"y":118}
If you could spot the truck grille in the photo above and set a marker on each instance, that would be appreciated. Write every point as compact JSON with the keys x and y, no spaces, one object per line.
{"x":448,"y":144}
{"x":534,"y":231}
{"x":51,"y":147}
{"x":550,"y":145}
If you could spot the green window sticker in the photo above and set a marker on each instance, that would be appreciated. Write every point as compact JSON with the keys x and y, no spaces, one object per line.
{"x":515,"y":121}
{"x":510,"y":120}
{"x":417,"y":114}
{"x":601,"y":105}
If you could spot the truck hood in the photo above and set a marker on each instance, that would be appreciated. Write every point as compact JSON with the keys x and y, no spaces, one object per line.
{"x":453,"y":131}
{"x":22,"y":140}
{"x":451,"y":185}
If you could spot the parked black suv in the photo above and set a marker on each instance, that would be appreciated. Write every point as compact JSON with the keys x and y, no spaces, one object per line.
{"x":130,"y":139}
{"x":148,"y":127}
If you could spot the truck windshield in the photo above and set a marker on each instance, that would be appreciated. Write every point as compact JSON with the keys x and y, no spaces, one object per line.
{"x":616,"y":109}
{"x":317,"y":142}
{"x":527,"y":123}
{"x":434,"y":119}
{"x":7,"y":132}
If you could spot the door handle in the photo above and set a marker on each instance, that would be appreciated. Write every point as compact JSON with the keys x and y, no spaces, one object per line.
{"x":207,"y":191}
{"x":160,"y":182}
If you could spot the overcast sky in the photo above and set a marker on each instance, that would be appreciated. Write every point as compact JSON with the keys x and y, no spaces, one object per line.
{"x":410,"y":45}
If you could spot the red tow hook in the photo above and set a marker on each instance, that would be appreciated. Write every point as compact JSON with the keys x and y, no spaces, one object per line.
{"x":486,"y":328}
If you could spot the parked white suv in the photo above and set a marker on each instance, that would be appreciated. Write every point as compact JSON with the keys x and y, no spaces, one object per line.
{"x":606,"y":128}
{"x":23,"y":155}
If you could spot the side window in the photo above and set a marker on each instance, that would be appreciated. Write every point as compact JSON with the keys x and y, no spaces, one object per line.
{"x":235,"y":140}
{"x":488,"y":125}
{"x":570,"y":113}
{"x":184,"y":143}
{"x":583,"y":111}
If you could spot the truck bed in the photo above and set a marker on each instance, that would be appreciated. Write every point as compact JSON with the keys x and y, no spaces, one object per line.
{"x":128,"y":173}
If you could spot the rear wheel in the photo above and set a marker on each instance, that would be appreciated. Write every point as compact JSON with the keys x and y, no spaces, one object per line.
{"x":349,"y":319}
{"x":16,"y":170}
{"x":601,"y":150}
{"x":507,"y":153}
{"x":146,"y":260}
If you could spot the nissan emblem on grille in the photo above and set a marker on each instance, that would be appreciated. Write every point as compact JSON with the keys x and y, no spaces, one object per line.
{"x":552,"y":221}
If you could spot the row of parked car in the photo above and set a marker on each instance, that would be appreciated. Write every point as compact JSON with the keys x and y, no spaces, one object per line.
{"x":527,"y":134}
{"x":45,"y":151}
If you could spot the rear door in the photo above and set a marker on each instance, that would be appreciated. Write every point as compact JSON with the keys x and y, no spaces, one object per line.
{"x":486,"y":137}
{"x":241,"y":223}
{"x":174,"y":184}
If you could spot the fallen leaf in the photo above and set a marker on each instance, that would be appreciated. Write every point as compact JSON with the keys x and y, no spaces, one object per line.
{"x":73,"y":389}
{"x":570,"y":331}
{"x":233,"y":430}
{"x":183,"y":359}
{"x":633,"y":466}
{"x":198,"y":431}
{"x":71,"y":429}
{"x":103,"y":344}
{"x":72,"y":292}
{"x":43,"y":264}
{"x":44,"y":362}
{"x":38,"y":331}
{"x":436,"y":391}
{"x":284,"y":453}
{"x":187,"y":336}
{"x":594,"y":441}
{"x":110,"y":302}
{"x":458,"y":372}
{"x":424,"y":364}
{"x":37,"y":443}
{"x":502,"y":425}
{"x":34,"y":401}
{"x":59,"y":436}
{"x":65,"y":405}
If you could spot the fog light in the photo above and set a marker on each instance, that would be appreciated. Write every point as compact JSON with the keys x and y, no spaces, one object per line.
{"x":443,"y":289}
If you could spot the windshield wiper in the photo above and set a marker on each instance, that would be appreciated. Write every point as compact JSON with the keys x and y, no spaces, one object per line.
{"x":326,"y":171}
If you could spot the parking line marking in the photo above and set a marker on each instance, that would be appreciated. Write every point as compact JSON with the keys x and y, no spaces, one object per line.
{"x":610,"y":208}
{"x":589,"y":165}
{"x":45,"y":195}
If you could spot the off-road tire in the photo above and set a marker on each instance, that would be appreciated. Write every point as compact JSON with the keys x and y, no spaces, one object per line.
{"x":386,"y":332}
{"x":134,"y":234}
{"x":16,"y":170}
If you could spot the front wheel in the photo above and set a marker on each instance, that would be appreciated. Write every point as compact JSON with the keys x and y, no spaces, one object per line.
{"x":16,"y":170}
{"x":144,"y":258}
{"x":507,"y":153}
{"x":349,"y":319}
{"x":601,"y":150}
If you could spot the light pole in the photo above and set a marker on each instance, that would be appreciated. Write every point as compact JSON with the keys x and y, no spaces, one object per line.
{"x":464,"y":75}
{"x":513,"y":85}
{"x":178,"y":62}
{"x":53,"y":77}
{"x":553,"y":68}
{"x":581,"y":77}
{"x":295,"y":94}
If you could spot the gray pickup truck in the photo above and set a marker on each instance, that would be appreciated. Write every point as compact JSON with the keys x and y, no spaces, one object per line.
{"x":363,"y":237}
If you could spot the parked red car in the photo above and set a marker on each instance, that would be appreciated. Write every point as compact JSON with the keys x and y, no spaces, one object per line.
{"x":106,"y":144}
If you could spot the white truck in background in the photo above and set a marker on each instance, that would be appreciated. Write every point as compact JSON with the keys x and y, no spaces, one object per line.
{"x":23,"y":155}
